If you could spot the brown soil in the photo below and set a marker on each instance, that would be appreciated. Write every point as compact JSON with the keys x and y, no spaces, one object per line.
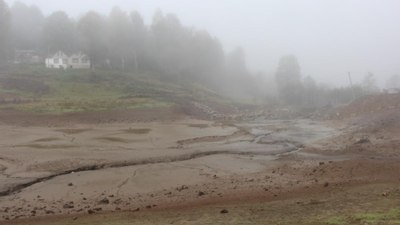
{"x":168,"y":171}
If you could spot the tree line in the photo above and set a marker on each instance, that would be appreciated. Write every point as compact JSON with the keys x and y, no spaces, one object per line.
{"x":122,"y":41}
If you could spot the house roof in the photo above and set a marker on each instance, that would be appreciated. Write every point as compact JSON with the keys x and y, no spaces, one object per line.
{"x":61,"y":54}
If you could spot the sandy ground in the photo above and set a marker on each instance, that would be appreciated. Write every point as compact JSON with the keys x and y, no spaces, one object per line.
{"x":85,"y":173}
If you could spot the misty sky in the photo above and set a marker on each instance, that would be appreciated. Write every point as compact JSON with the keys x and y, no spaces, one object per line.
{"x":329,"y":37}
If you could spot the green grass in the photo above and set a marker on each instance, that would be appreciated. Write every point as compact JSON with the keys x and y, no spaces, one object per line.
{"x":41,"y":90}
{"x":335,"y":220}
{"x":80,"y":91}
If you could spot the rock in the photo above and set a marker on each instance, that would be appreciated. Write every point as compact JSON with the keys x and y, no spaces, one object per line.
{"x":91,"y":211}
{"x":104,"y":201}
{"x":70,"y":184}
{"x":201,"y":193}
{"x":181,"y":188}
{"x":49,"y":212}
{"x":363,"y":140}
{"x":326,"y":184}
{"x":224,"y":211}
{"x":69,"y":205}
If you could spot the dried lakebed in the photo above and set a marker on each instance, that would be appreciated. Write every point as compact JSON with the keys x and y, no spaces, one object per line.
{"x":136,"y":161}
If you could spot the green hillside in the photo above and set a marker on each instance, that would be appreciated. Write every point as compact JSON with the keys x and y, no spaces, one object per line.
{"x":40,"y":90}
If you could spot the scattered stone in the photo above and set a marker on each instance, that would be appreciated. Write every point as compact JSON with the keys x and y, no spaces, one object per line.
{"x":69,"y":205}
{"x":91,"y":211}
{"x":326,"y":184}
{"x":224,"y":211}
{"x":321,"y":163}
{"x":104,"y":201}
{"x":181,"y":188}
{"x":75,"y":218}
{"x":201,"y":193}
{"x":70,"y":184}
{"x":363,"y":140}
{"x":117,"y":201}
{"x":49,"y":212}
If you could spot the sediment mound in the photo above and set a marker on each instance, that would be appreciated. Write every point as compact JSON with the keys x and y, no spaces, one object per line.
{"x":370,"y":105}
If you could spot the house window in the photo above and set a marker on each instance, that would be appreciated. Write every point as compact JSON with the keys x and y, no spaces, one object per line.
{"x":75,"y":60}
{"x":65,"y":61}
{"x":56,"y":60}
{"x":84,"y":60}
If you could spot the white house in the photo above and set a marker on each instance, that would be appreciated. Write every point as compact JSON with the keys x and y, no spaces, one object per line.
{"x":60,"y":60}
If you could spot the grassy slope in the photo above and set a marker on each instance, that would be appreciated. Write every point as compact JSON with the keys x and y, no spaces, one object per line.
{"x":41,"y":90}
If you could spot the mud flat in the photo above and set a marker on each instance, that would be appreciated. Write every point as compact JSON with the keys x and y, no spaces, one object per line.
{"x":43,"y":168}
{"x":74,"y":174}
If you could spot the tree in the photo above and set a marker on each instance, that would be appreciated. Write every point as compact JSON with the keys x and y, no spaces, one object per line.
{"x":369,"y":84}
{"x":310,"y":92}
{"x":59,"y":33}
{"x":4,"y":30}
{"x":27,"y":26}
{"x":139,"y":42}
{"x":288,"y":79}
{"x":205,"y":57}
{"x":120,"y":33}
{"x":92,"y":36}
{"x":170,"y":42}
{"x":393,"y":82}
{"x":236,"y":61}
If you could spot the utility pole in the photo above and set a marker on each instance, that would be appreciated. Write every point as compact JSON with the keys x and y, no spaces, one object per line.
{"x":351,"y":86}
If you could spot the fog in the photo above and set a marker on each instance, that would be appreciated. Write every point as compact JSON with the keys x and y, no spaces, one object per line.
{"x":330,"y":38}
